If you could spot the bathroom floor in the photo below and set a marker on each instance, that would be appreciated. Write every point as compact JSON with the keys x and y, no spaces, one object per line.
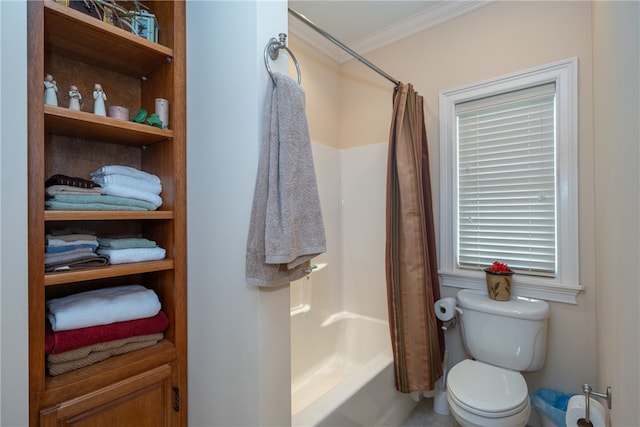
{"x":423,"y":415}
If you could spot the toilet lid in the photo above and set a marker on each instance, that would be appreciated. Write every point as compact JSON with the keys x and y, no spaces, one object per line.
{"x":487,"y":390}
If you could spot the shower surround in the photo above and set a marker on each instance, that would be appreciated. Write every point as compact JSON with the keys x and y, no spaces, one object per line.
{"x":340,"y":346}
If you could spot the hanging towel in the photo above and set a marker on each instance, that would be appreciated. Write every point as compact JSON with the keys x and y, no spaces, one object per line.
{"x":286,"y":229}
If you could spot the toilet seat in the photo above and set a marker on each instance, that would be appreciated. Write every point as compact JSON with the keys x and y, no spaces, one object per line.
{"x":486,"y":390}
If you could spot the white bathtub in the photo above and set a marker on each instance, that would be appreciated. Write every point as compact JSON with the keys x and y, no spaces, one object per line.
{"x":342,"y":373}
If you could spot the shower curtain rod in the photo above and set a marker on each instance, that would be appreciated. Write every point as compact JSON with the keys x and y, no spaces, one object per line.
{"x":342,"y":46}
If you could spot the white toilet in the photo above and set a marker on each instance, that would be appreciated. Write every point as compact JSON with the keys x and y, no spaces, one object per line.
{"x":504,"y":338}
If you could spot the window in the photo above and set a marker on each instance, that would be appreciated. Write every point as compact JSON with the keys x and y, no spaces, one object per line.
{"x":509,"y":181}
{"x":505,"y":147}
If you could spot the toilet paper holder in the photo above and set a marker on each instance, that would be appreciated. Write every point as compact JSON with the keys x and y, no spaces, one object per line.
{"x":588,"y":391}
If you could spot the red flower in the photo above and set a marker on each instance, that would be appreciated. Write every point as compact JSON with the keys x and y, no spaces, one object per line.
{"x":499,"y":267}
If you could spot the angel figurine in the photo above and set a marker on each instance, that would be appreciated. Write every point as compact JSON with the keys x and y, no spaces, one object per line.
{"x":74,"y":98}
{"x":50,"y":91}
{"x":100,"y":97}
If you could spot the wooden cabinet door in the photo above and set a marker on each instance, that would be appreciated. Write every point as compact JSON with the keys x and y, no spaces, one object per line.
{"x":144,"y":400}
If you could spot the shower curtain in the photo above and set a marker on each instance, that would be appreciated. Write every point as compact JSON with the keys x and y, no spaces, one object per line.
{"x":411,"y":264}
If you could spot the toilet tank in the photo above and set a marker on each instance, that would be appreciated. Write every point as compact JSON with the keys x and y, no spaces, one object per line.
{"x":511,"y":334}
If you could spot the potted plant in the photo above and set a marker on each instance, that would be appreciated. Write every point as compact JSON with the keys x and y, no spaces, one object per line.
{"x":499,"y":277}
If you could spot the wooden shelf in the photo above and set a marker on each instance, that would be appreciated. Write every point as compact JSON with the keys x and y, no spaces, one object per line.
{"x":79,"y":124}
{"x":73,"y":34}
{"x":105,"y":215}
{"x":61,"y":277}
{"x":84,"y":380}
{"x":81,"y":50}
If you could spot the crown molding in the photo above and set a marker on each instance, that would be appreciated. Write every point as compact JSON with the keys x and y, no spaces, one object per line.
{"x":437,"y":14}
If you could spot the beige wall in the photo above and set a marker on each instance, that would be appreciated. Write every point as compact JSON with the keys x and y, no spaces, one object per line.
{"x":321,"y":83}
{"x":501,"y":38}
{"x":617,"y":134}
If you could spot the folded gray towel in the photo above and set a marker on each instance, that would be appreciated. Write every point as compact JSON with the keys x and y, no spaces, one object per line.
{"x":286,"y":229}
{"x":98,"y":202}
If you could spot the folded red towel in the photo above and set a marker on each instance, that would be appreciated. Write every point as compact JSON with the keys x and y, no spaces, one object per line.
{"x":61,"y":341}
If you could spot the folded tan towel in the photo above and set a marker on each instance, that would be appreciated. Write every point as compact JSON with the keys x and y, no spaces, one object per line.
{"x":79,"y":358}
{"x":54,"y":190}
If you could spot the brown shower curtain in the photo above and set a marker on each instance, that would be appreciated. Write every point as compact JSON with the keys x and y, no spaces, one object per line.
{"x":411,"y":264}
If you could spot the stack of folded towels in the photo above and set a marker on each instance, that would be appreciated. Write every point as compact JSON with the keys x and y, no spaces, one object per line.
{"x":120,"y":188}
{"x":70,"y":251}
{"x":129,"y":249}
{"x":125,"y":181}
{"x":88,"y":327}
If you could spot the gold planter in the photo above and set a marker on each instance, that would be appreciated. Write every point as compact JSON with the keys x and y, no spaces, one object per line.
{"x":499,"y":285}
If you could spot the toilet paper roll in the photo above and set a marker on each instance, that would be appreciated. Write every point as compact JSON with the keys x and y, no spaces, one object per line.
{"x":576,"y":410}
{"x":445,"y":308}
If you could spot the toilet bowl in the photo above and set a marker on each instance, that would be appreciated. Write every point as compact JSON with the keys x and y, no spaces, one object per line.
{"x":504,"y":338}
{"x":481,"y":395}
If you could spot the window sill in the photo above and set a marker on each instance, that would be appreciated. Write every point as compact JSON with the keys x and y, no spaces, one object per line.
{"x":525,"y":286}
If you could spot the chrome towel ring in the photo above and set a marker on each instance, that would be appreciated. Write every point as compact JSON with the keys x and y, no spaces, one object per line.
{"x":272,"y":49}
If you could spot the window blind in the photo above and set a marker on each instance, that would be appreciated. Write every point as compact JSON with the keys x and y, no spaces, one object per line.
{"x":506,"y":181}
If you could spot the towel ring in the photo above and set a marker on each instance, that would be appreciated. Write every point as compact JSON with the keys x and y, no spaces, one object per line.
{"x":272,"y":49}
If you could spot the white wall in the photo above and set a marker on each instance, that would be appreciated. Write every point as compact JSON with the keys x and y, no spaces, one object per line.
{"x":238,"y":335}
{"x":326,"y":290}
{"x":351,"y":184}
{"x":364,"y":172}
{"x":14,"y":390}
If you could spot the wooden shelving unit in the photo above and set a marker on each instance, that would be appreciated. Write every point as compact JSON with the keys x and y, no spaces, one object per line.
{"x":146,"y":387}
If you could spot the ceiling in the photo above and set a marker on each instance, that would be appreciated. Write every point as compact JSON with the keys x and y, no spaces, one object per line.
{"x":365,"y":25}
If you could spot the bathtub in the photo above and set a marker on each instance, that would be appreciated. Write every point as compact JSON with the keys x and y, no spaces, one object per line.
{"x":342,"y":373}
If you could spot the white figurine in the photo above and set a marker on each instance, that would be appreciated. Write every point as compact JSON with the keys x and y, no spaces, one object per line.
{"x":74,"y":98}
{"x":50,"y":89}
{"x":99,"y":96}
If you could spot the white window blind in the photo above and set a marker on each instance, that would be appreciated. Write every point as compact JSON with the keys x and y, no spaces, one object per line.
{"x":506,"y":181}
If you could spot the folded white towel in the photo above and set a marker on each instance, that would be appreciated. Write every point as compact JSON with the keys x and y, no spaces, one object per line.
{"x":126,"y":170}
{"x":132,"y":193}
{"x":102,"y":307}
{"x":128,"y":181}
{"x":125,"y":256}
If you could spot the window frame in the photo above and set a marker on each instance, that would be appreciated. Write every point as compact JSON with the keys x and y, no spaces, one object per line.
{"x":566,"y":285}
